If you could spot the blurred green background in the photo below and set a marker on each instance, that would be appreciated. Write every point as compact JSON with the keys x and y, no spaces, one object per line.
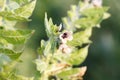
{"x":103,"y":61}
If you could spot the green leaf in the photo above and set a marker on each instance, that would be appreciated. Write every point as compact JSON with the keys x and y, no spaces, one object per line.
{"x":15,"y":36}
{"x":93,"y":12}
{"x":4,"y":60}
{"x":26,"y":10}
{"x":12,"y":54}
{"x":85,"y":23}
{"x":12,"y":16}
{"x":42,"y":47}
{"x":59,"y":56}
{"x":52,"y":33}
{"x":51,"y":29}
{"x":41,"y":65}
{"x":75,"y":58}
{"x":48,"y":24}
{"x":20,"y":77}
{"x":19,"y":14}
{"x":73,"y":14}
{"x":21,"y":2}
{"x":78,"y":56}
{"x":65,"y":74}
{"x":13,"y":76}
{"x":106,"y":15}
{"x":2,"y":4}
{"x":11,"y":5}
{"x":91,"y":17}
{"x":81,"y":37}
{"x":3,"y":42}
{"x":7,"y":24}
{"x":47,"y":49}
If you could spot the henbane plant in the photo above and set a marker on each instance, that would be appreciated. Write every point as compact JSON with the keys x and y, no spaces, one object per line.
{"x":66,"y":47}
{"x":11,"y":12}
{"x":67,"y":44}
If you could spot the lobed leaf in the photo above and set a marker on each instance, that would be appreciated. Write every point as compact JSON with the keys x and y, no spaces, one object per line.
{"x":21,"y":2}
{"x":15,"y":36}
{"x":12,"y":54}
{"x":12,"y":16}
{"x":20,"y":77}
{"x":21,"y":13}
{"x":26,"y":10}
{"x":68,"y":73}
{"x":47,"y":49}
{"x":4,"y":60}
{"x":51,"y":29}
{"x":41,"y":65}
{"x":90,"y":17}
{"x":2,"y":4}
{"x":48,"y":24}
{"x":80,"y":38}
{"x":78,"y":56}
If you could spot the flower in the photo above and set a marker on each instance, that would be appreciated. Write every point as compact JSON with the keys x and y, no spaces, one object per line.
{"x":65,"y":49}
{"x":97,"y":3}
{"x":66,"y":36}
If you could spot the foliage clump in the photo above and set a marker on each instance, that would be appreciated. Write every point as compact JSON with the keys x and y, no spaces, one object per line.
{"x":66,"y":47}
{"x":11,"y":38}
{"x":67,"y":44}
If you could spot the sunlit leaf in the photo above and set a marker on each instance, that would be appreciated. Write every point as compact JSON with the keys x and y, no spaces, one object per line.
{"x":2,"y":4}
{"x":78,"y":56}
{"x":12,"y":54}
{"x":106,"y":15}
{"x":11,"y":5}
{"x":81,"y":37}
{"x":65,"y":74}
{"x":72,"y":73}
{"x":26,"y":10}
{"x":4,"y":60}
{"x":20,"y":77}
{"x":47,"y":49}
{"x":15,"y":36}
{"x":41,"y":65}
{"x":48,"y":24}
{"x":19,"y":14}
{"x":12,"y":16}
{"x":42,"y":47}
{"x":21,"y":2}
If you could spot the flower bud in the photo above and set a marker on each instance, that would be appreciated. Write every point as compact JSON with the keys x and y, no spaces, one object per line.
{"x":65,"y":49}
{"x":97,"y":3}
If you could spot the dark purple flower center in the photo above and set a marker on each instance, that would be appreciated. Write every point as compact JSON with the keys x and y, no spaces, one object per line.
{"x":65,"y":35}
